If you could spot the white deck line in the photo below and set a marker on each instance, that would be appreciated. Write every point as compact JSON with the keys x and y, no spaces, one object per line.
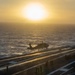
{"x":1,"y":68}
{"x":35,"y":66}
{"x":61,"y":68}
{"x":64,"y":69}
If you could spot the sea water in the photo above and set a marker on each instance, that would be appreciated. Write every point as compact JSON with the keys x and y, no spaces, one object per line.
{"x":14,"y":39}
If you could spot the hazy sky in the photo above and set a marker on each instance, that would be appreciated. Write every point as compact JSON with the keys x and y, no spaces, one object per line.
{"x":62,"y":11}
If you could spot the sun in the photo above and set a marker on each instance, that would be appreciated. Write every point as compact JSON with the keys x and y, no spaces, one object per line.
{"x":34,"y":11}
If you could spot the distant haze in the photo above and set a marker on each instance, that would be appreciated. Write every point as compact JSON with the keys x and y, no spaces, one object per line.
{"x":62,"y":11}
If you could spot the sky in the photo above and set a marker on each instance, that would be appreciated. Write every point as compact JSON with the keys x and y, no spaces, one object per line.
{"x":60,"y":11}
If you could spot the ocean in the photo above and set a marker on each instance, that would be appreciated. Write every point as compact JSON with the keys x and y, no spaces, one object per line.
{"x":14,"y":39}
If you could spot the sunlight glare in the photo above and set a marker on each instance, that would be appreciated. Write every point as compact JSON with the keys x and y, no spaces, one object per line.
{"x":34,"y":11}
